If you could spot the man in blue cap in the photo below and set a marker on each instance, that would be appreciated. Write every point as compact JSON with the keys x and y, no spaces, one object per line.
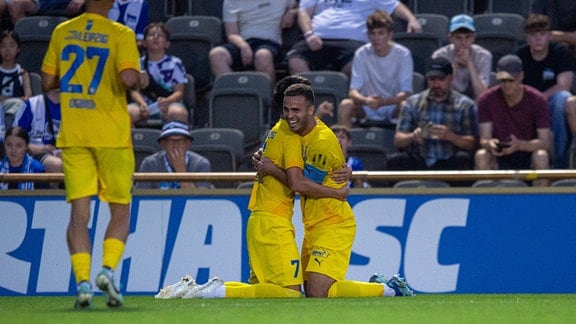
{"x":472,"y":63}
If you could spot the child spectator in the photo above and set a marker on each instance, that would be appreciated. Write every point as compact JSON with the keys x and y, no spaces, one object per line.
{"x":167,"y":80}
{"x":41,"y":118}
{"x":14,"y":80}
{"x":343,"y":134}
{"x":18,"y":161}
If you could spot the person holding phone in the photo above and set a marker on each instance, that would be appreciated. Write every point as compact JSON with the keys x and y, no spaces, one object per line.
{"x":437,"y":129}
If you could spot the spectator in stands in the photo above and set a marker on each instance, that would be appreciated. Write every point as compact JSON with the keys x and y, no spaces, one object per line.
{"x":343,"y":134}
{"x":21,"y":8}
{"x":563,"y":23}
{"x":15,"y":81}
{"x":472,"y":63}
{"x":514,"y":123}
{"x":549,"y":67}
{"x":41,"y":119}
{"x":175,"y":156}
{"x":164,"y":93}
{"x":254,"y":33}
{"x":333,"y":30}
{"x":381,"y":77}
{"x":18,"y":161}
{"x":132,"y":13}
{"x":437,"y":129}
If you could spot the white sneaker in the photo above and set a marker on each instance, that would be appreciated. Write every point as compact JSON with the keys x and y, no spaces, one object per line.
{"x":176,"y":290}
{"x":205,"y":290}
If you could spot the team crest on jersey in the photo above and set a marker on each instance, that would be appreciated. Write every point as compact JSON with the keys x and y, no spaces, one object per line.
{"x":271,"y":134}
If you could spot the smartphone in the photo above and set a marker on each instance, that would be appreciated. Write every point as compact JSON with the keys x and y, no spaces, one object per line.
{"x":501,"y":145}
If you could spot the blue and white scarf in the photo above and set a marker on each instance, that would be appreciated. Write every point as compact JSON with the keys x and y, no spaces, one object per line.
{"x":25,"y":168}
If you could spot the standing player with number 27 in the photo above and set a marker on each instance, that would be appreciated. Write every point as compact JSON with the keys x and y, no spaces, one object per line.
{"x":94,"y":61}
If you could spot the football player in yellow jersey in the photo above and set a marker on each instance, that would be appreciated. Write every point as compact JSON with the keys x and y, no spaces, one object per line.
{"x":272,"y":249}
{"x":93,"y":61}
{"x":329,"y":224}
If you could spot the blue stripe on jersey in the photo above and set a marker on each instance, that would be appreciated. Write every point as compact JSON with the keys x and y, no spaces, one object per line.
{"x":314,"y":174}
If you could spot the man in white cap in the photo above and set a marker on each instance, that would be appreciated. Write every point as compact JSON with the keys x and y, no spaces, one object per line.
{"x":472,"y":63}
{"x":514,"y":123}
{"x":175,"y":156}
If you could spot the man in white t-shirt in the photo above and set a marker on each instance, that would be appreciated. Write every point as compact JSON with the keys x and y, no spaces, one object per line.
{"x":254,"y":33}
{"x":381,"y":76}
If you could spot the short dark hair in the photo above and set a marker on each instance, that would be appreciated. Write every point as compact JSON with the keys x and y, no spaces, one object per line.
{"x":300,"y":89}
{"x":18,"y":132}
{"x":283,"y":84}
{"x":380,"y":19}
{"x":537,"y":23}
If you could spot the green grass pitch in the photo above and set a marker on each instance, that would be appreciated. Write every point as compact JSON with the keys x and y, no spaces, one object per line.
{"x":426,"y":308}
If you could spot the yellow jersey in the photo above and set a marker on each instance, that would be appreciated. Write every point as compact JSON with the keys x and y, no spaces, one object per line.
{"x":86,"y":54}
{"x":283,"y":147}
{"x":322,"y":155}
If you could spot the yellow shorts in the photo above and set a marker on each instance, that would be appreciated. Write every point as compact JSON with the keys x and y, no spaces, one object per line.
{"x":106,"y":172}
{"x":272,"y":250}
{"x":326,"y":249}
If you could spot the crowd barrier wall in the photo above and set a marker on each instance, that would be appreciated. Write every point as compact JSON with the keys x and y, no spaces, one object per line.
{"x":507,"y":240}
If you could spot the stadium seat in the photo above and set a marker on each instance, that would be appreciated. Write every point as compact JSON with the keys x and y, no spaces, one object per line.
{"x":564,"y":183}
{"x":421,"y":45}
{"x":374,"y":136}
{"x":421,"y":184}
{"x":34,"y":32}
{"x":145,"y":142}
{"x":191,"y":39}
{"x":418,"y":82}
{"x":36,"y":83}
{"x":241,"y":100}
{"x":500,"y":33}
{"x":227,"y":137}
{"x":499,"y":183}
{"x":448,"y":8}
{"x":329,"y":86}
{"x":521,"y":7}
{"x":437,"y":24}
{"x":159,"y":10}
{"x":206,"y":7}
{"x":222,"y":159}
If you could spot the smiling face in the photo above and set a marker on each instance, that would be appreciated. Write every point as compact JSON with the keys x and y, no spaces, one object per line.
{"x":299,"y":113}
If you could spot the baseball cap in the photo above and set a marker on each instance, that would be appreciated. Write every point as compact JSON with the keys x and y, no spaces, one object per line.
{"x":462,"y":21}
{"x":172,"y":128}
{"x":440,"y":67}
{"x":509,"y":67}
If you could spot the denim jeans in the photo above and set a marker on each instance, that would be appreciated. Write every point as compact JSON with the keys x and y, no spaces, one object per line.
{"x":559,"y":127}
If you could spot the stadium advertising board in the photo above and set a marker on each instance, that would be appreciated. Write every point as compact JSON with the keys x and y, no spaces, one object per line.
{"x":442,"y":243}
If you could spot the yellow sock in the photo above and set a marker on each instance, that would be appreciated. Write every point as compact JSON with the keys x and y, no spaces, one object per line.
{"x":81,"y":266}
{"x":113,"y":250}
{"x":260,"y":290}
{"x":349,"y":288}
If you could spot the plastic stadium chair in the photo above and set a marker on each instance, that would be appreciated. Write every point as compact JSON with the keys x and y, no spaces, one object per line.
{"x":421,"y":184}
{"x":449,"y":8}
{"x":383,"y":138}
{"x":328,"y":85}
{"x":499,"y":183}
{"x":34,"y":32}
{"x":36,"y":83}
{"x":521,"y":7}
{"x":437,"y":24}
{"x":241,"y":100}
{"x":418,"y":82}
{"x":206,"y":7}
{"x":231,"y":138}
{"x":564,"y":183}
{"x":191,"y":39}
{"x":500,"y":33}
{"x":421,"y":45}
{"x":222,"y":159}
{"x":145,"y":142}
